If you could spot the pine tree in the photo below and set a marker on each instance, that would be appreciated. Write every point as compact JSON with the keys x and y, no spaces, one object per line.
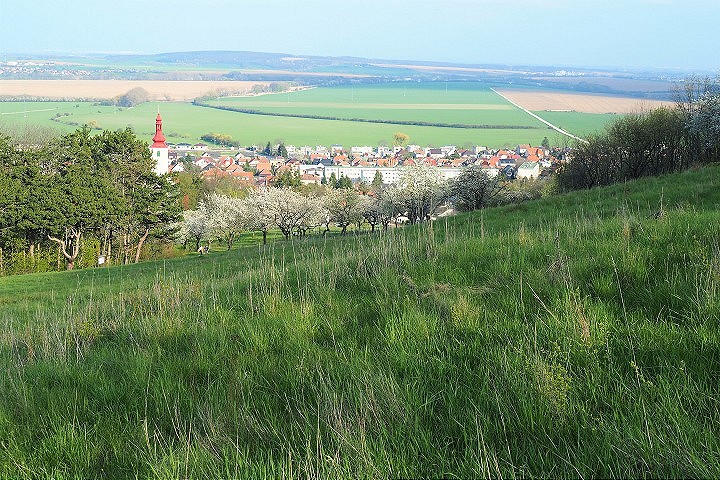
{"x":377,"y":182}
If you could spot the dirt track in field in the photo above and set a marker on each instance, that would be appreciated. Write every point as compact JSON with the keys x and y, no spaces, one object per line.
{"x":93,"y":89}
{"x":579,"y":102}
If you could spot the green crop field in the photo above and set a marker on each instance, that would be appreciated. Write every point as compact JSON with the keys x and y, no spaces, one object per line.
{"x":574,"y":336}
{"x":463,"y":103}
{"x":187,"y":122}
{"x":578,"y":123}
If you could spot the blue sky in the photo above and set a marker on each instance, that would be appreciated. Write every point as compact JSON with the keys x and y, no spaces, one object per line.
{"x":680,"y":34}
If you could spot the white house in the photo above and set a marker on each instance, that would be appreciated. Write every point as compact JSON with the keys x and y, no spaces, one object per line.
{"x":528,"y":170}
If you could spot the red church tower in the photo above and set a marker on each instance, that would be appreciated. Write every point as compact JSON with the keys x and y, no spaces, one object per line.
{"x":159,"y":149}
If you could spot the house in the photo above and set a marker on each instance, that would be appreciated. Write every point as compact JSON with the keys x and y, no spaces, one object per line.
{"x":523,"y":149}
{"x":505,"y":162}
{"x":211,"y":171}
{"x":448,"y":150}
{"x":361,"y":150}
{"x":243,"y":176}
{"x":203,"y":162}
{"x":309,"y":179}
{"x":225,"y":161}
{"x":435,"y":153}
{"x":528,"y":170}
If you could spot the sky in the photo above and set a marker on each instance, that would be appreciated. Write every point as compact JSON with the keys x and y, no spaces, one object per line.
{"x":676,"y":34}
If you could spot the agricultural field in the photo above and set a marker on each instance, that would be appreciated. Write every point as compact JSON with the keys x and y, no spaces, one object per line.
{"x":573,"y":336}
{"x":577,"y":123}
{"x":550,"y":100}
{"x":184,"y":122}
{"x":442,"y":103}
{"x":102,"y":89}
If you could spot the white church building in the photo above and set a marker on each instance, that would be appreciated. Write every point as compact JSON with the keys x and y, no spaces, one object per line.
{"x":159,"y":149}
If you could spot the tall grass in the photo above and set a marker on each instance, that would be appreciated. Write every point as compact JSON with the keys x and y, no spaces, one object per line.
{"x":574,"y":336}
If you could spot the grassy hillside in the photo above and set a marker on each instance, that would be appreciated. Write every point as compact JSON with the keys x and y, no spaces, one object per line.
{"x":573,"y":336}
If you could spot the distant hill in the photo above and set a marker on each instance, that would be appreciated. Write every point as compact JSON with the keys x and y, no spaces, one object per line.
{"x":244,"y":65}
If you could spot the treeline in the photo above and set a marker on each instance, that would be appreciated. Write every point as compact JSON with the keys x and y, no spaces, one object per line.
{"x":78,"y":198}
{"x":419,"y":194}
{"x":661,"y":141}
{"x":133,"y":97}
{"x":417,"y":123}
{"x":220,"y":139}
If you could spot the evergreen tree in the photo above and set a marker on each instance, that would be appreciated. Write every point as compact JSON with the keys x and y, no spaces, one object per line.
{"x":344,"y":182}
{"x":377,"y":182}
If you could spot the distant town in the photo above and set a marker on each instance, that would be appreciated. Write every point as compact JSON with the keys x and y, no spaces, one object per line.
{"x":314,"y":165}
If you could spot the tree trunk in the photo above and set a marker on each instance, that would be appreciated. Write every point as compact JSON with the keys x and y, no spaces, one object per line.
{"x":140,"y":244}
{"x":72,"y":240}
{"x":264,"y":237}
{"x":126,"y":248}
{"x":109,"y":249}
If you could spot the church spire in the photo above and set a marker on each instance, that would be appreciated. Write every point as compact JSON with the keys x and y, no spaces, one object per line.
{"x":159,"y":138}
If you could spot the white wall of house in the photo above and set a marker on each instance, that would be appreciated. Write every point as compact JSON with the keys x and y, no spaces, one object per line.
{"x":361,"y":150}
{"x":528,"y":170}
{"x":390,"y":175}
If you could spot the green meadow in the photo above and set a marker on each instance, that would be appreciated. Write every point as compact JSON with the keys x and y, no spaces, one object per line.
{"x":573,"y":336}
{"x":578,"y":123}
{"x":462,"y":103}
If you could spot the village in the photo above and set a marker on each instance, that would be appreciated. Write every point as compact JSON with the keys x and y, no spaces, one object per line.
{"x":360,"y":164}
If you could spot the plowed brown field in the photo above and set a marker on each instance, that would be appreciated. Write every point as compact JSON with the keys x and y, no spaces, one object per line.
{"x":536,"y":100}
{"x":181,"y":90}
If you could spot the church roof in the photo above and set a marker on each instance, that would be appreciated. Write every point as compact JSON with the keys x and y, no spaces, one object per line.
{"x":159,"y":138}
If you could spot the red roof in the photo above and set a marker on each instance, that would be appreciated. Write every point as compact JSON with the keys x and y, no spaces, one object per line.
{"x":159,"y":138}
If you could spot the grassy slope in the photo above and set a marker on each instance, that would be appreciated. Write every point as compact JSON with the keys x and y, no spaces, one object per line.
{"x":577,"y":335}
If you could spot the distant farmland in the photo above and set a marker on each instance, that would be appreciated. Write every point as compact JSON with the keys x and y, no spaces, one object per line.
{"x":184,"y":122}
{"x":468,"y":103}
{"x":551,"y":100}
{"x":439,"y":102}
{"x":99,"y":89}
